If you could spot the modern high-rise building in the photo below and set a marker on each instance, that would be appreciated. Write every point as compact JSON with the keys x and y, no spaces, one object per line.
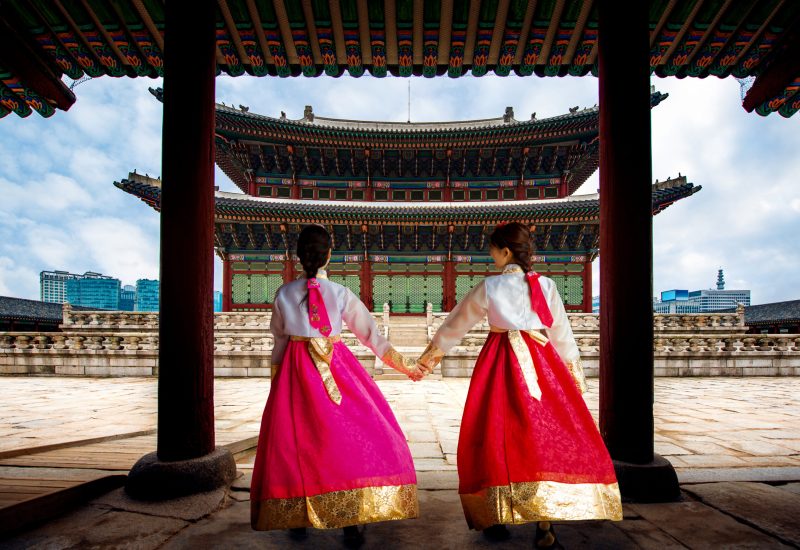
{"x":53,"y":286}
{"x":127,"y":298}
{"x":217,"y":300}
{"x":147,"y":291}
{"x":701,"y":301}
{"x":94,"y":291}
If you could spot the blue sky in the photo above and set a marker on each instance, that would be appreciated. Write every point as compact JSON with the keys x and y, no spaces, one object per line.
{"x":60,"y":210}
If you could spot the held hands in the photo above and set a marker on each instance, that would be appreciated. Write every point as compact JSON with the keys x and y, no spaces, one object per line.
{"x":423,"y":369}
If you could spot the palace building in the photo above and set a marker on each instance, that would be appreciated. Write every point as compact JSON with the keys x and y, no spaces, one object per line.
{"x":410,"y":205}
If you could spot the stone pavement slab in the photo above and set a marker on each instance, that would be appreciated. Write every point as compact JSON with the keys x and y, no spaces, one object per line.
{"x":768,"y":508}
{"x":687,"y":524}
{"x":696,"y":525}
{"x":99,"y":527}
{"x":189,"y":508}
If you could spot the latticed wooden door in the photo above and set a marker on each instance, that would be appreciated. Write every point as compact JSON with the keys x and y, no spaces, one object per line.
{"x":240,"y":291}
{"x":381,"y":293}
{"x":433,"y":291}
{"x":465,"y":283}
{"x":352,"y":282}
{"x":570,"y":287}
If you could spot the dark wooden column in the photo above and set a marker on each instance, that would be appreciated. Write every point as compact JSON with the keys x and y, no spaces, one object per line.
{"x":186,"y":333}
{"x":227,"y":285}
{"x":186,"y":460}
{"x":626,"y":242}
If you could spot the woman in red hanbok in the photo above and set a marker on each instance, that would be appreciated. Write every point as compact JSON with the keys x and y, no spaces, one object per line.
{"x":528,"y":449}
{"x":330,"y":453}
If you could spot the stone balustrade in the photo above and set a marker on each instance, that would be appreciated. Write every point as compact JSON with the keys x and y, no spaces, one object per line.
{"x":96,"y":343}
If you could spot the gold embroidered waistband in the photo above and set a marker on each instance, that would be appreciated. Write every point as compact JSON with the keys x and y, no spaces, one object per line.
{"x":523,"y":355}
{"x":321,"y":350}
{"x":533,"y":333}
{"x":333,"y":339}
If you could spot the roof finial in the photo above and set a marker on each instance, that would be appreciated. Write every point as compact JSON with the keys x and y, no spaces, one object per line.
{"x":308,"y":113}
{"x":509,"y":114}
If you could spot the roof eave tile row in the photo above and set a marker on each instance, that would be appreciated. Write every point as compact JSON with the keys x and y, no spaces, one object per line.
{"x":284,"y":38}
{"x":234,"y":207}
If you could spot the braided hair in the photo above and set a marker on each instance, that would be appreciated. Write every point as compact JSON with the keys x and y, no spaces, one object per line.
{"x":313,"y":245}
{"x":517,"y":238}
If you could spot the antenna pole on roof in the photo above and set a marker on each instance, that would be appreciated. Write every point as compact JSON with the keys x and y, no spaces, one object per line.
{"x":409,"y":102}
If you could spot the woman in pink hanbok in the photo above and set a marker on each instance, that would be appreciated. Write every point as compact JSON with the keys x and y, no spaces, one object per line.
{"x":330,"y":453}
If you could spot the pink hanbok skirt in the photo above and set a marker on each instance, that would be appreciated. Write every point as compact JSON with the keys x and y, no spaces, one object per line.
{"x":327,"y":465}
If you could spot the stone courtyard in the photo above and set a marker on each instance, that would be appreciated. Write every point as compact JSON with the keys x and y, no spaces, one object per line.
{"x":735,"y":444}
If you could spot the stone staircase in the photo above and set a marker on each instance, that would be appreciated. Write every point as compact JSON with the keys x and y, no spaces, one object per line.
{"x":409,"y":336}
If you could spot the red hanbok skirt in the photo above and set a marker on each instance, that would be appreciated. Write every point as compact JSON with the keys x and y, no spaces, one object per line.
{"x":521,"y":459}
{"x":327,"y":465}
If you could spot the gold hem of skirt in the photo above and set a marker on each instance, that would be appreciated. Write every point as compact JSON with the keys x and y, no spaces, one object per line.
{"x":336,"y":509}
{"x":541,"y":501}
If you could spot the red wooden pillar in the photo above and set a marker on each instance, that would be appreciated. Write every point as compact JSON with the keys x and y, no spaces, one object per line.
{"x":587,"y":287}
{"x":288,"y":269}
{"x":186,"y":460}
{"x":449,"y":286}
{"x":365,"y":288}
{"x":626,"y":315}
{"x":227,"y":285}
{"x":521,"y":194}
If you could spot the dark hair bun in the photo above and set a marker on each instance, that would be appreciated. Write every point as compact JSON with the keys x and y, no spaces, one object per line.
{"x":313,"y":245}
{"x":517,"y":238}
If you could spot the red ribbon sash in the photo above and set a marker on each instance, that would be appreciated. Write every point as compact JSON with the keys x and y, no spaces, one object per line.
{"x":538,"y":301}
{"x":317,"y":314}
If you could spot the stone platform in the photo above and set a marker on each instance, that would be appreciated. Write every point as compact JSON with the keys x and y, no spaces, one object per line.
{"x":735,"y":443}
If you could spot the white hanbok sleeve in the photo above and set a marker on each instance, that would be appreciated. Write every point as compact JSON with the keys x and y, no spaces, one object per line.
{"x":469,"y":311}
{"x":361,"y":322}
{"x":279,"y":336}
{"x":560,"y":335}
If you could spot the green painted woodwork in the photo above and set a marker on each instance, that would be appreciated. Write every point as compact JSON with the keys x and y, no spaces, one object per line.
{"x":407,"y":293}
{"x":352,"y":282}
{"x":255,"y":288}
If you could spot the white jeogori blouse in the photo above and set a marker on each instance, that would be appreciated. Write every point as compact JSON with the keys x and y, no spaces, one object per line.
{"x":290,"y":316}
{"x":506,"y":300}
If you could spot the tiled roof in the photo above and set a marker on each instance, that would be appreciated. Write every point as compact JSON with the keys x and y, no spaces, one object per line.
{"x":696,"y":38}
{"x":241,"y":207}
{"x":770,"y":313}
{"x":21,"y":309}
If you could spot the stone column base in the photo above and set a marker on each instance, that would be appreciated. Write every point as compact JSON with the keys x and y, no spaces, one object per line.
{"x":153,"y":479}
{"x":654,"y":481}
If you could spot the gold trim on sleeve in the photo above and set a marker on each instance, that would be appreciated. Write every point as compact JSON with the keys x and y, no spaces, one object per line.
{"x":431,"y":357}
{"x":336,"y":509}
{"x":398,"y":361}
{"x":576,"y":369}
{"x":541,"y":501}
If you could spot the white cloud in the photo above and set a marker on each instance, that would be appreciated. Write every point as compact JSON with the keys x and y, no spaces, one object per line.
{"x":117,"y":247}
